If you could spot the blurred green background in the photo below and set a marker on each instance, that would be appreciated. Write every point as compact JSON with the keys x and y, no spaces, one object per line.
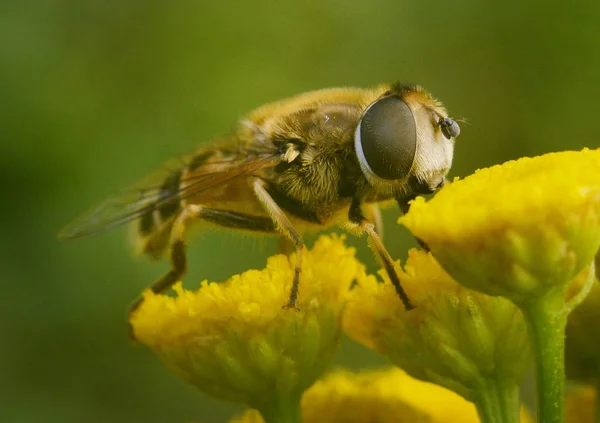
{"x":93,"y":94}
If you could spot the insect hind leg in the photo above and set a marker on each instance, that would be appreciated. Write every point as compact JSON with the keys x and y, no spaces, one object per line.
{"x":225,"y":218}
{"x":177,"y":255}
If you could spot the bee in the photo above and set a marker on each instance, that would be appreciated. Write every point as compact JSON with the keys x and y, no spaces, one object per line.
{"x":318,"y":159}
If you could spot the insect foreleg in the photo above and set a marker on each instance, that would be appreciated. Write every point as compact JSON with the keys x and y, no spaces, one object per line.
{"x":374,"y":215}
{"x":286,"y":228}
{"x":356,"y":216}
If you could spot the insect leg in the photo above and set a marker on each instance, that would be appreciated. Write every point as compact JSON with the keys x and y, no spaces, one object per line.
{"x":224,"y":218}
{"x":237,"y":220}
{"x":356,"y":216}
{"x":177,"y":254}
{"x":286,"y":228}
{"x":374,"y":215}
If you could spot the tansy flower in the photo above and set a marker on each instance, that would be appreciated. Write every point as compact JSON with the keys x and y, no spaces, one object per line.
{"x":523,"y":230}
{"x":471,"y":343}
{"x":234,"y":340}
{"x":518,"y":229}
{"x":379,"y":396}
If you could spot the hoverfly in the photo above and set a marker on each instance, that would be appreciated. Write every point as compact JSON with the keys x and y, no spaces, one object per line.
{"x":308,"y":162}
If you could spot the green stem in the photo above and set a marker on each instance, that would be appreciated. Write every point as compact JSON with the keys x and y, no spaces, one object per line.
{"x":281,"y":410}
{"x":498,"y":403}
{"x":546,"y":319}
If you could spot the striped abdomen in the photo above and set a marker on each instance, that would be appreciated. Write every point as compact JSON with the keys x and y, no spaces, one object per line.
{"x":154,"y":226}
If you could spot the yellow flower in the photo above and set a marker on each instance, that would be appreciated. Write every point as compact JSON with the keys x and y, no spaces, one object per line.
{"x":379,"y":396}
{"x":471,"y":343}
{"x":581,"y":405}
{"x":582,"y":354}
{"x":517,"y":229}
{"x":234,"y":340}
{"x":522,"y":230}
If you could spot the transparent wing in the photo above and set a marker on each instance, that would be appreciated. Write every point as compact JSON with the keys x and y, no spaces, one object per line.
{"x":150,"y":194}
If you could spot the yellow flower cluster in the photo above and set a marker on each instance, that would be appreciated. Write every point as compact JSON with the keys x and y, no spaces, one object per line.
{"x":505,"y":245}
{"x":455,"y":337}
{"x":234,"y":341}
{"x":522,"y":230}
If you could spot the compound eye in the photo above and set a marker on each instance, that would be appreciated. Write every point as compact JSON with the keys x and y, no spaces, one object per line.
{"x":449,"y":127}
{"x":386,"y":138}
